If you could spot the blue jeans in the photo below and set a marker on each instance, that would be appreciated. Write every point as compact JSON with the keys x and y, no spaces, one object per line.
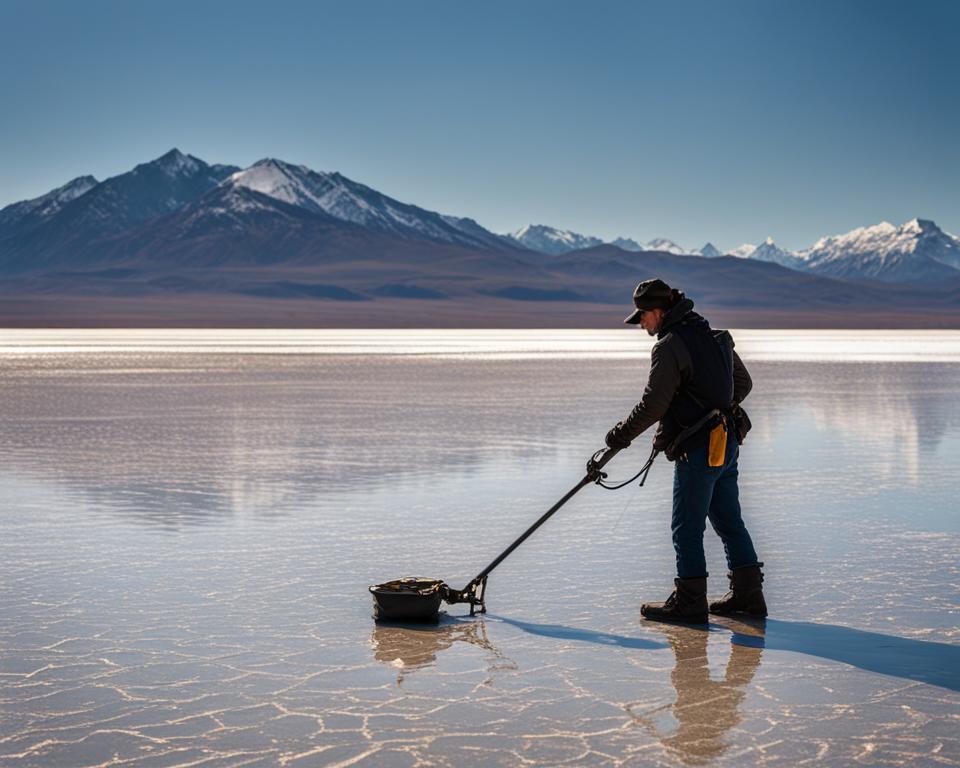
{"x":701,"y":492}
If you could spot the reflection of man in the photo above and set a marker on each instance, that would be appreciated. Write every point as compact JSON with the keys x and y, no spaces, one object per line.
{"x":705,"y":709}
{"x":696,"y":382}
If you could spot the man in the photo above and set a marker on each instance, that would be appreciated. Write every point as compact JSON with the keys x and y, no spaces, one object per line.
{"x":694,"y":389}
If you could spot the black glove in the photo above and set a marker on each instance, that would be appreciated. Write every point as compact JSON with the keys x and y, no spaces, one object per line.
{"x":617,"y":437}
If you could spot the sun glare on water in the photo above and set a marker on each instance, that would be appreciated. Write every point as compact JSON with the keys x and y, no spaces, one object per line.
{"x":766,"y":345}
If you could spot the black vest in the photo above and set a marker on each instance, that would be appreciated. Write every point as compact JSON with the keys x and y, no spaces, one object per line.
{"x":711,"y":378}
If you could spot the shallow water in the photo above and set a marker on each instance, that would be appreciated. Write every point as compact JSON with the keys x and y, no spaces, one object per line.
{"x":189,"y":520}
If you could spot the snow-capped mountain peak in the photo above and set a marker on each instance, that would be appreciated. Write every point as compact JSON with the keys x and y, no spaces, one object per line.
{"x":329,"y":193}
{"x":279,"y":180}
{"x":51,"y":202}
{"x":920,"y":226}
{"x":174,"y":163}
{"x":334,"y":194}
{"x":552,"y":241}
{"x":662,"y":244}
{"x":768,"y":250}
{"x":709,"y":250}
{"x":627,"y":244}
{"x":915,"y":251}
{"x":73,"y":188}
{"x":882,"y":239}
{"x":46,"y":205}
{"x":742,"y":251}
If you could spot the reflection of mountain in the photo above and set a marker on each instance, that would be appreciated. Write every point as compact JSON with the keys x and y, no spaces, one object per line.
{"x":408,"y":648}
{"x":177,"y":439}
{"x":890,"y":412}
{"x":909,"y":400}
{"x":705,"y":709}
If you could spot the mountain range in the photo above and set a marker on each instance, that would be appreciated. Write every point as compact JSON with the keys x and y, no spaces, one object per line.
{"x":179,"y":241}
{"x":915,"y":252}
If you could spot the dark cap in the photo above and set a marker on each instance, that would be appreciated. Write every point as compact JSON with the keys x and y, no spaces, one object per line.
{"x":650,"y":294}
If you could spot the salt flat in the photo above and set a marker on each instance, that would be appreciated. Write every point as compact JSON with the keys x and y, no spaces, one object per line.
{"x":189,"y":521}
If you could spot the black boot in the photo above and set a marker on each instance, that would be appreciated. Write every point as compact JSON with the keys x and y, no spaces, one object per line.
{"x":687,"y":604}
{"x":745,"y":595}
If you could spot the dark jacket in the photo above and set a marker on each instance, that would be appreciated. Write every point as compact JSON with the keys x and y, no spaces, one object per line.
{"x":688,"y":377}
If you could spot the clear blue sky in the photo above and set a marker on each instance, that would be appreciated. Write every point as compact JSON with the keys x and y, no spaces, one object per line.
{"x":725,"y":121}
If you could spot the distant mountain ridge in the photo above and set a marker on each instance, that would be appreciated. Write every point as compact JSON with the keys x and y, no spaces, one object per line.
{"x":177,"y":231}
{"x":552,"y":241}
{"x":916,"y":252}
{"x":769,"y":251}
{"x":46,"y":205}
{"x":95,"y":222}
{"x":347,"y":200}
{"x":77,"y":216}
{"x":106,"y":209}
{"x":708,"y":250}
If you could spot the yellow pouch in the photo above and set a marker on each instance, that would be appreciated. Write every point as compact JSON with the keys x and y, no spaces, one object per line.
{"x":717,"y":451}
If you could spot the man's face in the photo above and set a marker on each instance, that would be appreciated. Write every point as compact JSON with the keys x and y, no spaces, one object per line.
{"x":650,"y":320}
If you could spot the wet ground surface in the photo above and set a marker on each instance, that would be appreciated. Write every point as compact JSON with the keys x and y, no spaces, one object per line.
{"x":187,"y":535}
